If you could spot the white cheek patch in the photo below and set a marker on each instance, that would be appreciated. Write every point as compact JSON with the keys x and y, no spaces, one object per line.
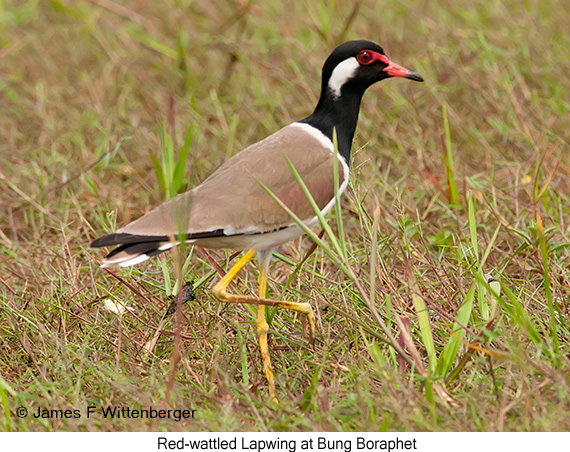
{"x":342,"y":74}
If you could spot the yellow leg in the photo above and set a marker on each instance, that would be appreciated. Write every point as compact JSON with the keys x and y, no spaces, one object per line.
{"x":221,"y":294}
{"x":262,"y":329}
{"x":220,"y":288}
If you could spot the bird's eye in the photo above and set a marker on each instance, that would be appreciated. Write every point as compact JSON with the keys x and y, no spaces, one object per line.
{"x":364,"y":57}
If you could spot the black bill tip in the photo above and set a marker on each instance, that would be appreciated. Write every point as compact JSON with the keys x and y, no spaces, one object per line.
{"x":414,"y":76}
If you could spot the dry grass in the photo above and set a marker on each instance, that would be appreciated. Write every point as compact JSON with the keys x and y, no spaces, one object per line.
{"x":85,"y":88}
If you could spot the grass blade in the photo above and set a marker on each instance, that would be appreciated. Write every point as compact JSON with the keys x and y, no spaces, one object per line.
{"x":338,"y":210}
{"x":180,"y":167}
{"x":547,"y":289}
{"x":463,"y":315}
{"x":452,"y":194}
{"x":423,"y":319}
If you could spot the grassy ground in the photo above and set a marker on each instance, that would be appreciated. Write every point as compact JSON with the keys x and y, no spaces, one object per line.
{"x":87,"y":89}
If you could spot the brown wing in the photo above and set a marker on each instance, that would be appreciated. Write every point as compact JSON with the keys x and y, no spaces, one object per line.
{"x":232,"y":198}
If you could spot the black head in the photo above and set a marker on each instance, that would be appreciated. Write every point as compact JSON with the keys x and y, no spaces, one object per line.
{"x":349,"y":70}
{"x":357,"y":65}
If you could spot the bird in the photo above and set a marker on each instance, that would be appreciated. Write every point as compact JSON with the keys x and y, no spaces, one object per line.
{"x":235,"y":207}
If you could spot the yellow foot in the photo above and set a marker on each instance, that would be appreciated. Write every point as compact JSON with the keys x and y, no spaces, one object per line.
{"x":221,"y":294}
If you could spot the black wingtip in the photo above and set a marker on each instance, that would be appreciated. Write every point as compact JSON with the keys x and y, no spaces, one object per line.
{"x":107,"y":240}
{"x":123,"y":238}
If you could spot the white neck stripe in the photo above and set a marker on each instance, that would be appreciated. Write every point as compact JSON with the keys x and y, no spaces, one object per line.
{"x":315,"y":133}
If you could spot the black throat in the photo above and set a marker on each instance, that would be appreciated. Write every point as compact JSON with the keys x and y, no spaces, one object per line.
{"x":338,"y":114}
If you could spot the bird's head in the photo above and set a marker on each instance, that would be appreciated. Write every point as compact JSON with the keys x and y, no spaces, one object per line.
{"x":358,"y":65}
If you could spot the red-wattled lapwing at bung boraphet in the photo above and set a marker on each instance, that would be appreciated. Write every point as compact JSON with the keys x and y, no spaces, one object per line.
{"x":232,"y":209}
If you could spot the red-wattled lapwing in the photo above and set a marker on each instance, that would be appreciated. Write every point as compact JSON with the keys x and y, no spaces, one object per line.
{"x":232,"y":209}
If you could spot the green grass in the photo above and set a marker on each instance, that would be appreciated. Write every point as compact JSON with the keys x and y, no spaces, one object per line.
{"x":110,"y":107}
